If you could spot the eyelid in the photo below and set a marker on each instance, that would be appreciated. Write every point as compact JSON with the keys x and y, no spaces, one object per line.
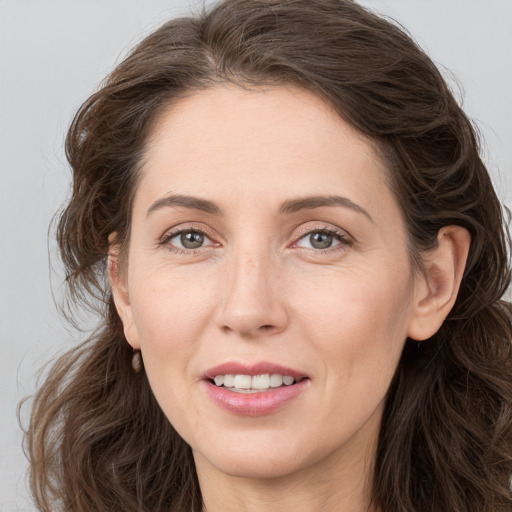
{"x":184,"y":228}
{"x":323,"y":227}
{"x":344,"y":238}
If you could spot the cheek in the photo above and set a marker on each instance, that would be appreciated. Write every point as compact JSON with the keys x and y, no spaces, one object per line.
{"x":170,"y":310}
{"x":356,"y":333}
{"x":359,"y":321}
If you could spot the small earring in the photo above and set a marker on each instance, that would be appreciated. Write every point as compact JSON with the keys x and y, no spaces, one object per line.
{"x":137,"y":361}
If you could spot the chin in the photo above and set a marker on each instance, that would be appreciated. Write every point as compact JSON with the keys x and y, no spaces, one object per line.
{"x":261,"y":465}
{"x":260,"y":457}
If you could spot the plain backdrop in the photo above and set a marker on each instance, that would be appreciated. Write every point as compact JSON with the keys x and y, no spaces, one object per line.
{"x":54,"y":53}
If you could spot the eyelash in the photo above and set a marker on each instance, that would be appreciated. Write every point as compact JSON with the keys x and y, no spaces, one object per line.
{"x":341,"y":236}
{"x":164,"y":241}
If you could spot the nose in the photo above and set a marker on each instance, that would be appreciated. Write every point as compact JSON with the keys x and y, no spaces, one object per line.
{"x":252,"y":303}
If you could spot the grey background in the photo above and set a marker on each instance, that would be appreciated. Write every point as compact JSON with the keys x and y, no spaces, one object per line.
{"x":53,"y":53}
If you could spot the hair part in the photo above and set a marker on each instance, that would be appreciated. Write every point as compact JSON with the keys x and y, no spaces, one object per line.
{"x":99,"y":441}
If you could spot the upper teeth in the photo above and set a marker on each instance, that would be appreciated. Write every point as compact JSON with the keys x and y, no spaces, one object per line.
{"x":257,"y":382}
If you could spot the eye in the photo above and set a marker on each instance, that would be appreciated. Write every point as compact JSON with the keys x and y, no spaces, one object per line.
{"x":321,"y":239}
{"x":187,"y":239}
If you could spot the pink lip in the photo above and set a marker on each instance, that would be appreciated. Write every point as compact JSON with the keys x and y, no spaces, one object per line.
{"x":253,"y":404}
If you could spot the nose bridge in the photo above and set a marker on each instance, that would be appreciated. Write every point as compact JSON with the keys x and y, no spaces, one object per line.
{"x":252,"y":303}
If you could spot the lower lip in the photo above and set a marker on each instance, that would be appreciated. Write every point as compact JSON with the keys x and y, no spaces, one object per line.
{"x":254,"y":404}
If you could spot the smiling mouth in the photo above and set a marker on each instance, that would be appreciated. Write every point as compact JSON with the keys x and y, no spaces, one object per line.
{"x":254,"y":389}
{"x":253,"y":383}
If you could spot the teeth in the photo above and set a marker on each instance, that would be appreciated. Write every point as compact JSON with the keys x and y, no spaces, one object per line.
{"x":261,"y":381}
{"x":248,"y":384}
{"x":276,"y":380}
{"x":243,"y":382}
{"x":229,"y":380}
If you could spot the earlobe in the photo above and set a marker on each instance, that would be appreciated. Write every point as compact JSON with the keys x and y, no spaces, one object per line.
{"x":437,"y":287}
{"x":120,"y":294}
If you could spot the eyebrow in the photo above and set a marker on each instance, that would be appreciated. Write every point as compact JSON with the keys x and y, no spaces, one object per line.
{"x":309,"y":203}
{"x":191,"y":202}
{"x":288,"y":207}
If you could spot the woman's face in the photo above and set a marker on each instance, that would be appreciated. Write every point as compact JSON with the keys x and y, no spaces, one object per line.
{"x":265,"y":242}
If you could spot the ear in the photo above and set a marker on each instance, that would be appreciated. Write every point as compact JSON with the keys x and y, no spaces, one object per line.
{"x":437,"y":287}
{"x":118,"y":284}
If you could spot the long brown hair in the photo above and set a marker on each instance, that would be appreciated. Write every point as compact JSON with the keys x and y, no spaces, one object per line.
{"x":97,"y":438}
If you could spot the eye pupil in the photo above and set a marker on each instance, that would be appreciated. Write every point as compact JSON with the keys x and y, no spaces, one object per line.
{"x":321,"y":240}
{"x":192,"y":239}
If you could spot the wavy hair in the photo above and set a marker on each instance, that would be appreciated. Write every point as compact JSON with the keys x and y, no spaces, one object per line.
{"x":97,"y":439}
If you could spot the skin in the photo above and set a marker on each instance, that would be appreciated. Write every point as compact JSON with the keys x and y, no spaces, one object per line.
{"x":258,"y":290}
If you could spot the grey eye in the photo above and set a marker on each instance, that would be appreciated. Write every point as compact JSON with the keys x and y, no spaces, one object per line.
{"x":321,"y":240}
{"x":192,"y":239}
{"x":189,"y":240}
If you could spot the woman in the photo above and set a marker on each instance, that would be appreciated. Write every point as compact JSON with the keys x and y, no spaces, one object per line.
{"x":300,"y":262}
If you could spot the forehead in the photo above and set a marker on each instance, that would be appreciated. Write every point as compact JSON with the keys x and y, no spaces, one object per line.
{"x":285,"y":114}
{"x":229,"y":140}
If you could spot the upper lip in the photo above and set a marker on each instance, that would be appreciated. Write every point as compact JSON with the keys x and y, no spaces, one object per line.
{"x":259,"y":368}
